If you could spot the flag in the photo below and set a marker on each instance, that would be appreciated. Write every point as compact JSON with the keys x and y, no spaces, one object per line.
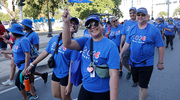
{"x":80,"y":1}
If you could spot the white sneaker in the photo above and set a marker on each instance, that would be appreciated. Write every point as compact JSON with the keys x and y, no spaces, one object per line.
{"x":8,"y":82}
{"x":75,"y":99}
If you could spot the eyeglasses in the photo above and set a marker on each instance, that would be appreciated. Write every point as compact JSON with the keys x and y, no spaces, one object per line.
{"x":132,"y":12}
{"x":95,"y":23}
{"x":73,"y":23}
{"x":115,"y":21}
{"x":141,"y":15}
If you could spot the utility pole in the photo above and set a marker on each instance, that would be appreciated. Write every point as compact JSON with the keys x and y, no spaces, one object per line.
{"x":168,"y":9}
{"x":152,"y":10}
{"x":21,"y":5}
{"x":132,"y":3}
{"x":49,"y":22}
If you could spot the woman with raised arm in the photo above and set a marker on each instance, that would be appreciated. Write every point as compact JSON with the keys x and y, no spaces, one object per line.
{"x":103,"y":52}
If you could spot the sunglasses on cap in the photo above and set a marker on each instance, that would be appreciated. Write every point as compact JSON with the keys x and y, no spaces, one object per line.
{"x":141,"y":15}
{"x":132,"y":12}
{"x":95,"y":23}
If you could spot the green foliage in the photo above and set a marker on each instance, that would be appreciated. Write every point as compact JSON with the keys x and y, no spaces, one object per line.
{"x":33,"y":8}
{"x":162,"y":13}
{"x":58,"y":15}
{"x":176,"y":11}
{"x":4,"y":17}
{"x":82,"y":10}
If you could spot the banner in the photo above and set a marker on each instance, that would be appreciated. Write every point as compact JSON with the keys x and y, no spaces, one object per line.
{"x":80,"y":1}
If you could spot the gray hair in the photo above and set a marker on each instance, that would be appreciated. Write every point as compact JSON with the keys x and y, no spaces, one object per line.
{"x":110,"y":20}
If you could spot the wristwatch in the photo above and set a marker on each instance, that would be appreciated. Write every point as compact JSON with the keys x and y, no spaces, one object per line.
{"x":31,"y":64}
{"x":160,"y":63}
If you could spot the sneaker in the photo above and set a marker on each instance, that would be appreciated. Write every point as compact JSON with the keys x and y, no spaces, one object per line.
{"x":128,"y":76}
{"x":33,"y":97}
{"x":8,"y":82}
{"x":75,"y":99}
{"x":166,"y":46}
{"x":172,"y":48}
{"x":134,"y":84}
{"x":120,"y":74}
{"x":44,"y":77}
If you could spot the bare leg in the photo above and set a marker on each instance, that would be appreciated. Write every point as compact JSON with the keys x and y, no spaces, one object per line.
{"x":23,"y":93}
{"x":56,"y":89}
{"x":13,"y":69}
{"x":64,"y":97}
{"x":142,"y":93}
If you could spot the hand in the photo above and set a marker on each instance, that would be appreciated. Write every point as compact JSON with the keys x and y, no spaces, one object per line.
{"x":28,"y":70}
{"x":160,"y":66}
{"x":68,"y":89}
{"x":170,"y":30}
{"x":66,"y":16}
{"x":24,"y":72}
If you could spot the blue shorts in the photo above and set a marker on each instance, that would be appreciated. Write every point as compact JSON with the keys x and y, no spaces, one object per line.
{"x":3,"y":45}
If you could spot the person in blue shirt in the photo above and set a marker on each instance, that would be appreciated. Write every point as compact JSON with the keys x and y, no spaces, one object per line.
{"x":86,"y":33}
{"x":104,"y":23}
{"x":21,"y":54}
{"x":178,"y":27}
{"x":60,"y":82}
{"x":115,"y":31}
{"x":126,"y":27}
{"x":143,"y":37}
{"x":169,"y":32}
{"x":104,"y":52}
{"x":34,"y":39}
{"x":160,"y":26}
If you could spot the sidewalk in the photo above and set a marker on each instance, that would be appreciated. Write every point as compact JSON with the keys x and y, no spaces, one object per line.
{"x":43,"y":39}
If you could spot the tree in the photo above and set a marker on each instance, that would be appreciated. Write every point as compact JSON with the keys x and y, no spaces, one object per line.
{"x":33,"y":8}
{"x":116,"y":11}
{"x":162,"y":13}
{"x":176,"y":11}
{"x":5,"y":5}
{"x":82,"y":10}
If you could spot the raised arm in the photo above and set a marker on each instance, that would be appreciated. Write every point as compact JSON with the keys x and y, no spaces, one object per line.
{"x":67,"y":42}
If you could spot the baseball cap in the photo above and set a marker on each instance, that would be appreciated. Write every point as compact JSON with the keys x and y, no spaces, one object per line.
{"x":142,"y":10}
{"x":132,"y":8}
{"x":158,"y":18}
{"x":170,"y":19}
{"x":75,"y":19}
{"x":92,"y":17}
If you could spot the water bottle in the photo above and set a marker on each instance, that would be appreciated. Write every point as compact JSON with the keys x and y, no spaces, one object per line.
{"x":27,"y":83}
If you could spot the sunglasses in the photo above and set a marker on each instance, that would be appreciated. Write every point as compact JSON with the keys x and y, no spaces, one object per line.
{"x":170,"y":20}
{"x":95,"y":23}
{"x":132,"y":13}
{"x":115,"y":21}
{"x":73,"y":23}
{"x":141,"y":15}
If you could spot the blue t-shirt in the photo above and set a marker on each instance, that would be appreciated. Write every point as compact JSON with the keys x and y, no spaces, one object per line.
{"x":104,"y":52}
{"x":104,"y":25}
{"x":86,"y":33}
{"x":170,"y":26}
{"x":115,"y":34}
{"x":143,"y":42}
{"x":159,"y":26}
{"x":178,"y":24}
{"x":19,"y":51}
{"x":33,"y":38}
{"x":62,"y":58}
{"x":127,"y":25}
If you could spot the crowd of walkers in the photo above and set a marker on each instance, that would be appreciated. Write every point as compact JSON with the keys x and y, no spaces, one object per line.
{"x":110,"y":44}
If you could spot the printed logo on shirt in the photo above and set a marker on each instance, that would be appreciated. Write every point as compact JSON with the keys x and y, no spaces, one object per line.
{"x":139,"y":39}
{"x":114,"y":33}
{"x":86,"y":54}
{"x":64,"y":48}
{"x":128,"y":28}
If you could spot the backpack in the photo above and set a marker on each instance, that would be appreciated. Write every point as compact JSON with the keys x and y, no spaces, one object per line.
{"x":33,"y":52}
